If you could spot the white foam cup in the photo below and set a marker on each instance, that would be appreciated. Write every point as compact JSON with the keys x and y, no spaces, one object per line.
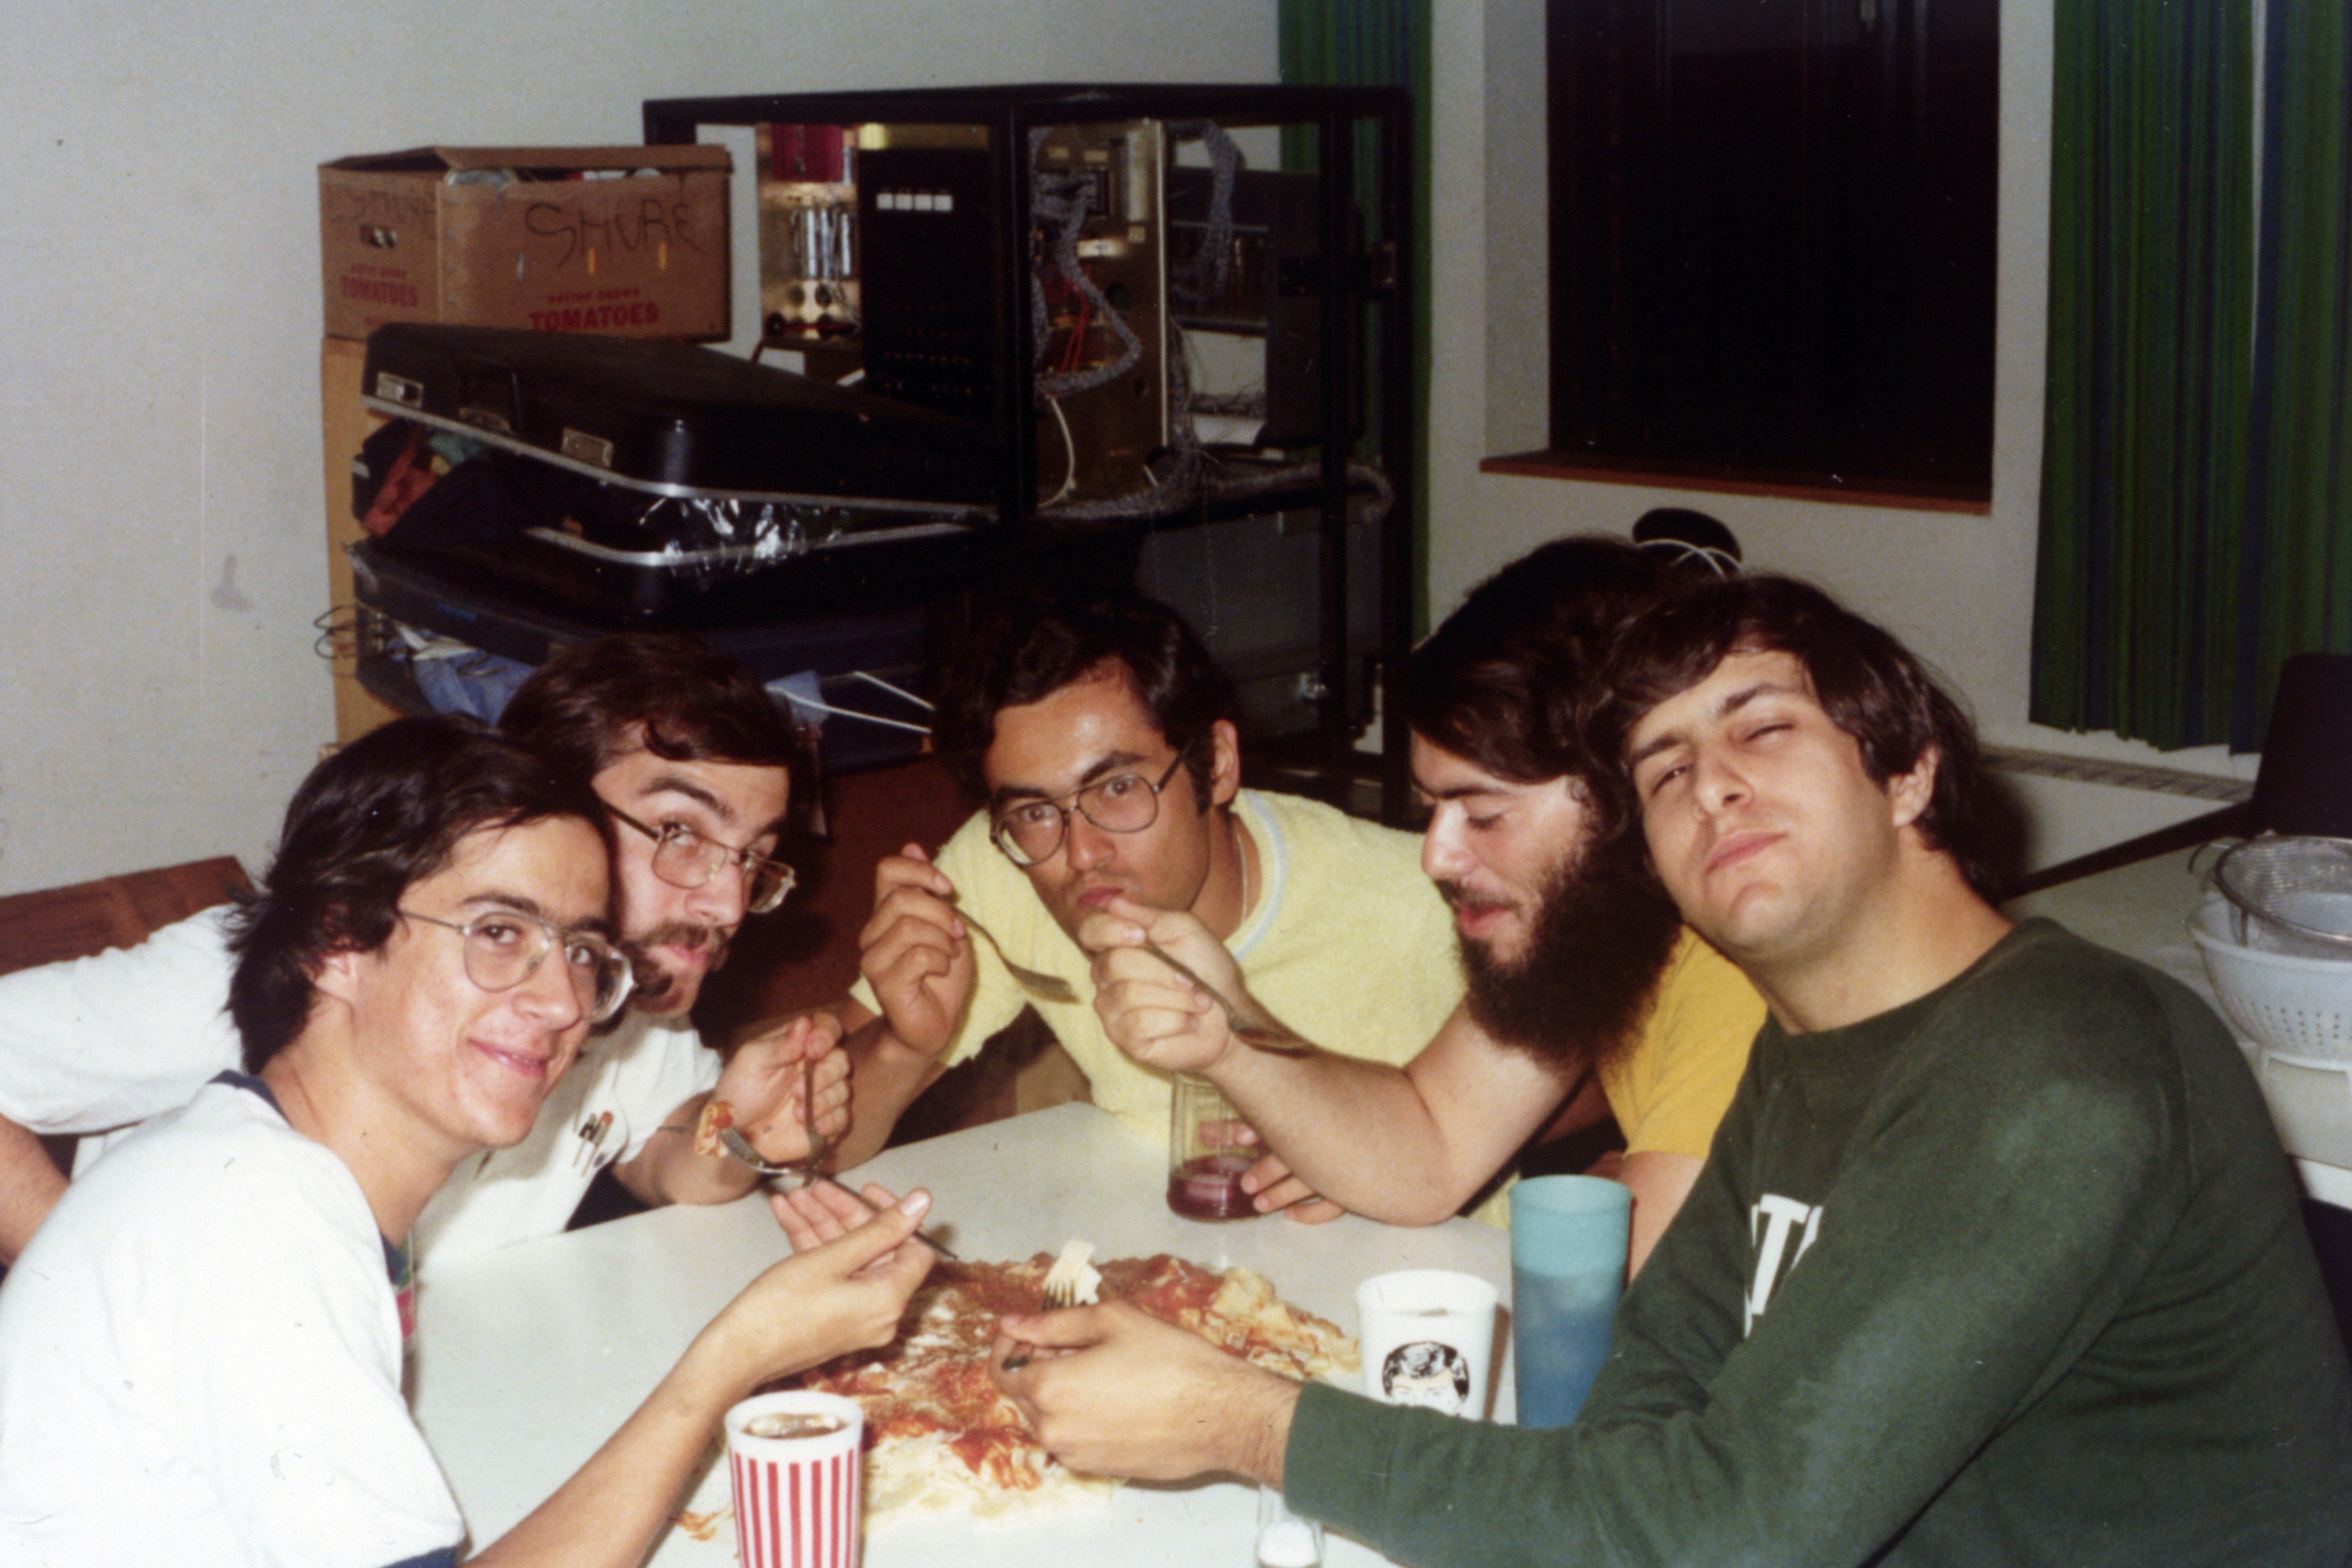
{"x":1428,"y":1338}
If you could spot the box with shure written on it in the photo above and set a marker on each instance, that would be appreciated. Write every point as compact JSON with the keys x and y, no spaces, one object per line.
{"x":628,"y":241}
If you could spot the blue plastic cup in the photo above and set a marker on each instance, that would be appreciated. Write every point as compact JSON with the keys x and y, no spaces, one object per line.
{"x":1568,"y":1268}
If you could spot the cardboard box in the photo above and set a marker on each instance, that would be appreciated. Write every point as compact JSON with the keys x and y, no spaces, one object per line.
{"x":630,"y":241}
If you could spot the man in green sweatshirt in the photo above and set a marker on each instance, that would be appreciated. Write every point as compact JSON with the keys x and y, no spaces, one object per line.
{"x":1995,"y":1259}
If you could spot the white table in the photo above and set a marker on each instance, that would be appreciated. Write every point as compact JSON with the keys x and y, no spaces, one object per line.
{"x":2143,"y":910}
{"x":526,"y":1359}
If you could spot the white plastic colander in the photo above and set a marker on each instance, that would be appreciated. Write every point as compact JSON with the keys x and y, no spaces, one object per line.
{"x":2286,"y":1001}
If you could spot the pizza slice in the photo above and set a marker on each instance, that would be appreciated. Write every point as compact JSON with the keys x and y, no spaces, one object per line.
{"x":717,"y":1117}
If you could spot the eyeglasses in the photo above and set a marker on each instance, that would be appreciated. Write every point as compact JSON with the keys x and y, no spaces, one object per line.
{"x":503,"y":948}
{"x":686,"y":859}
{"x":1030,"y":832}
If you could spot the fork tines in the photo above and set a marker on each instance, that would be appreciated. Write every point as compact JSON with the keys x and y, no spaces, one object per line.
{"x":1072,"y":1279}
{"x":1069,"y":1283}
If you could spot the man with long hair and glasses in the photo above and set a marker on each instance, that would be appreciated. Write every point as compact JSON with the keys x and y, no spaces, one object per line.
{"x":691,"y":758}
{"x":200,"y":1352}
{"x":1099,"y":736}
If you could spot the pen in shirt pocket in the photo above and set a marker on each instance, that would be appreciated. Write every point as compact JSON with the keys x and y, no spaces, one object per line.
{"x":592,"y":1138}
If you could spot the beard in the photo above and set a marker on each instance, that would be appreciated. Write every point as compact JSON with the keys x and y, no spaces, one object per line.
{"x":1576,"y":995}
{"x":660,"y":990}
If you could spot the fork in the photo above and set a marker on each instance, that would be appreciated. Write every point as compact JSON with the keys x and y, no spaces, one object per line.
{"x":1061,"y":1291}
{"x":1050,"y":987}
{"x":741,"y":1148}
{"x":1265,"y":1034}
{"x":819,"y":1145}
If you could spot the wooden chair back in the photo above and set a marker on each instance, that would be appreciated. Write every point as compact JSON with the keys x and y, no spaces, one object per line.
{"x":57,"y":924}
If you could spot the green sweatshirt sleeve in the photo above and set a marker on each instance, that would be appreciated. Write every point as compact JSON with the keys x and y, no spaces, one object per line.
{"x":1981,"y":1223}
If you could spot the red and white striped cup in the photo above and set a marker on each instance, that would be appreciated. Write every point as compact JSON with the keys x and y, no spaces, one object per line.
{"x":800,"y":1487}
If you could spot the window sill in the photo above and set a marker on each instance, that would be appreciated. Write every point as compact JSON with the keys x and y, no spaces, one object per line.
{"x":1727,"y":480}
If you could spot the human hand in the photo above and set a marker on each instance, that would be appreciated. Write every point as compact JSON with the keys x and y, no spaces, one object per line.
{"x":915,"y":951}
{"x":1269,"y":1182}
{"x":846,"y":1293}
{"x":1116,"y":1391}
{"x":1150,"y":1011}
{"x":1272,"y":1188}
{"x":826,"y":1211}
{"x":763,"y":1079}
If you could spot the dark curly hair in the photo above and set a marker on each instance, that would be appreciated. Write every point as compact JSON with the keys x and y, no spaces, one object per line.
{"x":1026,"y":646}
{"x":1503,"y":682}
{"x":376,"y":817}
{"x":593,"y":703}
{"x":1869,"y":684}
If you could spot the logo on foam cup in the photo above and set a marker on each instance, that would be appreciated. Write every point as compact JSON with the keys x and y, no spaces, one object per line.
{"x":1427,"y":1373}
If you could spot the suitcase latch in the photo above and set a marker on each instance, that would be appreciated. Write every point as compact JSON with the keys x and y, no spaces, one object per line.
{"x":581,"y":448}
{"x":399,"y":389}
{"x":489,"y":419}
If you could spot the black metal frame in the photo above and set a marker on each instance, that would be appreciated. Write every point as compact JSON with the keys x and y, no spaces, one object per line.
{"x":1354,"y":279}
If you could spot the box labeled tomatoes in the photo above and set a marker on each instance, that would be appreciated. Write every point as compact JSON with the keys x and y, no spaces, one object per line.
{"x":625,"y":241}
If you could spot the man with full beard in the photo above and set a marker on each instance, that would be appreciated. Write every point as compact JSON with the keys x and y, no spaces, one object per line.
{"x":691,"y":758}
{"x":1578,"y":968}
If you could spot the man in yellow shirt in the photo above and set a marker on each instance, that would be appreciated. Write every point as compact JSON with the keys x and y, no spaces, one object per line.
{"x":1576,"y":959}
{"x":1101,"y":735}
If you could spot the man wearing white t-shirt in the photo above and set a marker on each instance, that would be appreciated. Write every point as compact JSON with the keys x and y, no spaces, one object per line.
{"x":200,"y":1351}
{"x":691,"y":756}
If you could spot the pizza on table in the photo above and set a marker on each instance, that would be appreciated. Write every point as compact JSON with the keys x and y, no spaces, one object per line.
{"x":940,"y":1435}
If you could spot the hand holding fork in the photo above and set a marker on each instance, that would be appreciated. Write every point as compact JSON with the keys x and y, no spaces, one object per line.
{"x":1066,"y":1284}
{"x":1124,"y":924}
{"x":810,"y":1168}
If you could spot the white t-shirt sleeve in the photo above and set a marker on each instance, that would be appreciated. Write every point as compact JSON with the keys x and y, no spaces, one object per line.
{"x":106,"y":1041}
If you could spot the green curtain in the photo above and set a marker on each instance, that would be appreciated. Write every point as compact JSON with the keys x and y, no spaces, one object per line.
{"x":2300,"y":492}
{"x":2197,"y":485}
{"x":1377,"y":43}
{"x":2149,"y":360}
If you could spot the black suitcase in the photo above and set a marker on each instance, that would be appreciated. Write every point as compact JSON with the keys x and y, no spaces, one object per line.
{"x":867,"y":658}
{"x":640,"y":477}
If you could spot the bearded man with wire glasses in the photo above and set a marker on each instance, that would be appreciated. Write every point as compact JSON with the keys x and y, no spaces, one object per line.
{"x":691,"y":758}
{"x":1100,"y":733}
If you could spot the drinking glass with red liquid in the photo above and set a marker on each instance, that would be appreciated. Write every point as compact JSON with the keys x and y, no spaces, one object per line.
{"x":1205,"y":1160}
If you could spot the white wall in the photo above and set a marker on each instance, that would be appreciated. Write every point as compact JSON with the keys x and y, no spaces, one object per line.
{"x":1958,"y":588}
{"x":160,"y":492}
{"x":160,"y":483}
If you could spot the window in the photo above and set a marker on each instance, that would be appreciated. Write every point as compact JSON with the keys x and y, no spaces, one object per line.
{"x":1771,"y":241}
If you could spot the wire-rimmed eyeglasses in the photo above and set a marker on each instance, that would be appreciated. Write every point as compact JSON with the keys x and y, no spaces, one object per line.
{"x":504,"y":947}
{"x":1031,"y":830}
{"x":685,"y":857}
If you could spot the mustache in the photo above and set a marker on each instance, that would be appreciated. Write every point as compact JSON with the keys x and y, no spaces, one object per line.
{"x":692,"y":936}
{"x":1458,"y":897}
